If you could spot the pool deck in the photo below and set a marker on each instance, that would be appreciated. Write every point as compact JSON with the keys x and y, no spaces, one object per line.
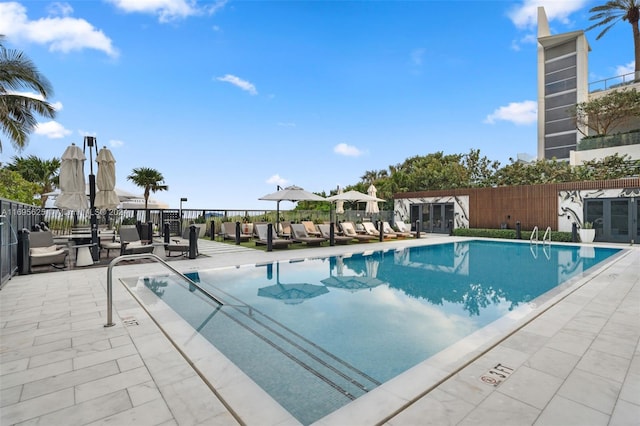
{"x":577,"y":362}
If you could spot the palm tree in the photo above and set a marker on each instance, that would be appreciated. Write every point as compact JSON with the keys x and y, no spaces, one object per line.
{"x":149,"y":179}
{"x":43,"y":173}
{"x":613,"y":11}
{"x":17,"y":118}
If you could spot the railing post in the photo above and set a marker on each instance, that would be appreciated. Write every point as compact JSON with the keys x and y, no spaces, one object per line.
{"x":23,"y":252}
{"x":193,"y":242}
{"x":518,"y":231}
{"x":380,"y":231}
{"x":213,"y":230}
{"x":269,"y":236}
{"x":166,"y":229}
{"x":237,"y":233}
{"x":332,"y":235}
{"x":417,"y":229}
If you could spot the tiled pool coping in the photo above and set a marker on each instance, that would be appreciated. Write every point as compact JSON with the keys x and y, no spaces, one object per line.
{"x":610,"y":295}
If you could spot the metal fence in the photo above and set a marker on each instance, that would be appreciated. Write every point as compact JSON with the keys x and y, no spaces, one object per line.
{"x":13,"y":217}
{"x":16,"y":216}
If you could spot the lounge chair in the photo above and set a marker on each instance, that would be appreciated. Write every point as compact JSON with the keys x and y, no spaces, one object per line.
{"x":44,"y":251}
{"x":403,"y":227}
{"x":370,"y":229}
{"x":276,"y":242}
{"x":387,"y":229}
{"x":339,"y":239}
{"x":181,"y":245}
{"x":310,"y":227}
{"x":299,"y":234}
{"x":229,"y":232}
{"x":108,"y":241}
{"x":284,"y":229}
{"x":349,"y":229}
{"x":131,"y":243}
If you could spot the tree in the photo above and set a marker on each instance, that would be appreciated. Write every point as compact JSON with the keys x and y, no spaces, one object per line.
{"x":604,"y":114}
{"x":149,"y":179}
{"x":17,"y":111}
{"x":611,"y":12}
{"x":15,"y":187}
{"x":43,"y":173}
{"x":481,"y":170}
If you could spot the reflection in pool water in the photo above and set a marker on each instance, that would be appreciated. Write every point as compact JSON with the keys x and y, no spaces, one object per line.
{"x":318,"y":333}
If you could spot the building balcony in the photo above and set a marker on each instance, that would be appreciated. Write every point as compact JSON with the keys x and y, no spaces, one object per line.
{"x":615,"y":82}
{"x":609,"y":141}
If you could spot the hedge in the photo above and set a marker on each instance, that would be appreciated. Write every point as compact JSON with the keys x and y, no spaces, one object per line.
{"x":509,"y":234}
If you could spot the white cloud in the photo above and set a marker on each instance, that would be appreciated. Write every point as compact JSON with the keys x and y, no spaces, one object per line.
{"x":56,"y":105}
{"x":527,"y":39}
{"x":625,"y":69}
{"x":52,"y":130}
{"x":115,"y":143}
{"x":166,"y":10}
{"x":520,"y":113}
{"x":277,"y":180}
{"x":525,"y":15}
{"x":60,"y":33}
{"x":348,"y":150}
{"x":417,"y":55}
{"x":238,"y":82}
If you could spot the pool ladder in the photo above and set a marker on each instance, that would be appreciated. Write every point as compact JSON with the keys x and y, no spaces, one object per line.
{"x":545,"y":238}
{"x":151,"y":256}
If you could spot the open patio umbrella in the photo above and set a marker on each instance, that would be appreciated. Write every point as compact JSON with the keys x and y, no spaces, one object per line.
{"x":352,"y":282}
{"x":106,"y":197}
{"x":290,"y":193}
{"x":72,"y":182}
{"x":372,"y":206}
{"x":291,"y":294}
{"x":352,"y":196}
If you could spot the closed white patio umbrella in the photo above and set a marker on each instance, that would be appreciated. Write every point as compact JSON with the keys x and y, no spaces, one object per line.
{"x":106,"y":197}
{"x":72,"y":183}
{"x":372,"y":206}
{"x":340,"y":203}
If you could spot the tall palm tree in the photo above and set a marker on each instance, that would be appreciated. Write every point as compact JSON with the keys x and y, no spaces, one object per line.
{"x":613,"y":11}
{"x":17,"y":111}
{"x":43,"y":173}
{"x":149,"y":179}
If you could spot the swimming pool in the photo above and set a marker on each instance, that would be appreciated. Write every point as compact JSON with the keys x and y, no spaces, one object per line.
{"x":319,"y":333}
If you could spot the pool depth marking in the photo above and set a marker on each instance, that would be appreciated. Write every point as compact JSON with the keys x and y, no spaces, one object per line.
{"x":496,"y":375}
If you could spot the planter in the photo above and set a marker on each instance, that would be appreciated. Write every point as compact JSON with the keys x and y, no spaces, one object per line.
{"x":587,"y":235}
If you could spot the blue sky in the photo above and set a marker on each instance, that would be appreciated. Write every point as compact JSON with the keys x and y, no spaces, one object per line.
{"x":228,"y":99}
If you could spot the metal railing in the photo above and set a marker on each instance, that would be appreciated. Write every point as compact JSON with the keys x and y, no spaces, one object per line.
{"x":614,"y":82}
{"x":13,"y":217}
{"x":151,"y":256}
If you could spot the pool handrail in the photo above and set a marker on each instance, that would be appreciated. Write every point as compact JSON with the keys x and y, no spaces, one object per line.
{"x":547,"y":235}
{"x":151,"y":256}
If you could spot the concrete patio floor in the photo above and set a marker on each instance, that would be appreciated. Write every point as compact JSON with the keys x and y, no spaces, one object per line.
{"x":576,"y":363}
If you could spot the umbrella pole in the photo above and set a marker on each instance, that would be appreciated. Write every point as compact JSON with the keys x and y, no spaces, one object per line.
{"x":95,"y":250}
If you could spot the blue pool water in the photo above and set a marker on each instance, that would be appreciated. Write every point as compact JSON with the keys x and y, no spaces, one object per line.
{"x":318,"y":333}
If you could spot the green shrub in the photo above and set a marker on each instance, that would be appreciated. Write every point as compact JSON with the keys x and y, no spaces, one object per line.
{"x":509,"y":234}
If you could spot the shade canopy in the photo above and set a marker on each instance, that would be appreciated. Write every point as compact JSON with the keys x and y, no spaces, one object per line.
{"x":292,"y":193}
{"x":372,"y":206}
{"x":106,"y":197}
{"x":353,"y":196}
{"x":72,"y":182}
{"x":292,"y":293}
